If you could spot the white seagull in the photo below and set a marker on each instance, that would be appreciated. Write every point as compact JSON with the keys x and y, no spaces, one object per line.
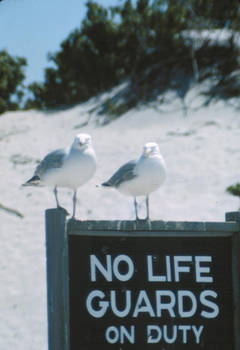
{"x":140,"y":177}
{"x":70,"y":167}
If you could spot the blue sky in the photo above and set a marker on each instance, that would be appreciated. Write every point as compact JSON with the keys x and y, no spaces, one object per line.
{"x":32,"y":28}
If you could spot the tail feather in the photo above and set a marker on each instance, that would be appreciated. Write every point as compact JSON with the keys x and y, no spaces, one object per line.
{"x":34,"y":181}
{"x":106,"y":184}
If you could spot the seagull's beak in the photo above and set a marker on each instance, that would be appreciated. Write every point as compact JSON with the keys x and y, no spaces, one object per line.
{"x":148,"y":151}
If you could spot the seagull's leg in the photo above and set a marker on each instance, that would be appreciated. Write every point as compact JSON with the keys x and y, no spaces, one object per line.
{"x":56,"y":197}
{"x":136,"y":208}
{"x":147,"y":207}
{"x":74,"y":203}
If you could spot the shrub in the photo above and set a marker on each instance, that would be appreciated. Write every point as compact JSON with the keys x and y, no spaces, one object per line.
{"x":11,"y":77}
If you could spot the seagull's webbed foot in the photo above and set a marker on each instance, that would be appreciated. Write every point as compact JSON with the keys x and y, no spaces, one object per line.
{"x":63,"y":209}
{"x":71,"y":219}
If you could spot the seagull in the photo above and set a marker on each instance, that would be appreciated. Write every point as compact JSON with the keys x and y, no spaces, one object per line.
{"x":140,"y":177}
{"x":68,"y":167}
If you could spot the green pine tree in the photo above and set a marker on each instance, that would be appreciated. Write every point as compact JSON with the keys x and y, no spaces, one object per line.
{"x":234,"y":190}
{"x":11,"y":77}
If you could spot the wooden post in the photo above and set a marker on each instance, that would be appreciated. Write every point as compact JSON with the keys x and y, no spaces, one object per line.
{"x":57,"y":280}
{"x":235,"y":217}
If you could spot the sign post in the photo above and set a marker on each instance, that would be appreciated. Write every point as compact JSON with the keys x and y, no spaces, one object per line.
{"x":143,"y":285}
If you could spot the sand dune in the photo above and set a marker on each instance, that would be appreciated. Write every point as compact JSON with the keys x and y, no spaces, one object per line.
{"x":202,"y":154}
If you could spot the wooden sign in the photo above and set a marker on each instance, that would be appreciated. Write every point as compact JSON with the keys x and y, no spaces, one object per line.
{"x":145,"y":286}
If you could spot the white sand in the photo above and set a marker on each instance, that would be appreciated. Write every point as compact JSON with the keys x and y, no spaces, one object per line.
{"x":202,"y":154}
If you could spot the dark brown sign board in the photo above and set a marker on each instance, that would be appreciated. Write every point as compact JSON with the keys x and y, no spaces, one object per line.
{"x":157,"y":285}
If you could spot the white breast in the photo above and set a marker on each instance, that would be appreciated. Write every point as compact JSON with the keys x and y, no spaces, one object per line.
{"x":77,"y":169}
{"x":150,"y":174}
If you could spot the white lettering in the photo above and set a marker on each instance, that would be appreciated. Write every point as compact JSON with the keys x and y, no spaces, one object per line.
{"x":153,"y":331}
{"x":159,"y":278}
{"x":200,"y":269}
{"x":183,"y":295}
{"x":117,"y":312}
{"x":184,"y":330}
{"x":151,"y":277}
{"x":105,"y":271}
{"x":157,"y":334}
{"x":128,"y":275}
{"x":180,"y":269}
{"x":165,"y":306}
{"x":197,"y":333}
{"x":103,"y":305}
{"x":140,"y":307}
{"x":112,"y":335}
{"x":124,"y":333}
{"x":168,"y":265}
{"x":174,"y":334}
{"x":208,"y":303}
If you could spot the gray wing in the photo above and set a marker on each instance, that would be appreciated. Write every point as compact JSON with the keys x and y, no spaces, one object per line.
{"x":124,"y":173}
{"x":52,"y":160}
